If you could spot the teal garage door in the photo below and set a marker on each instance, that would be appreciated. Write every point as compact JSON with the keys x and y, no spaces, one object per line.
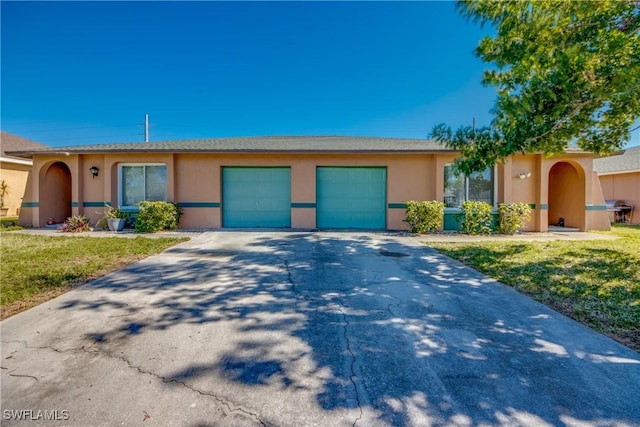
{"x":351,"y":197}
{"x":256,"y":197}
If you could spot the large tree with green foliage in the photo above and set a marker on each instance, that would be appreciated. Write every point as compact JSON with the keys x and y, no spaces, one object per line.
{"x":567,"y":73}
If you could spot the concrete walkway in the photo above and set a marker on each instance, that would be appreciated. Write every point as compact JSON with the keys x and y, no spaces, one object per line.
{"x":436,"y":237}
{"x":295,"y":328}
{"x":520,"y":237}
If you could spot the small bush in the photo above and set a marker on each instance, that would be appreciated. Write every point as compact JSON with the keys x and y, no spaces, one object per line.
{"x":157,"y":216}
{"x":512,"y":217}
{"x":75,"y":224}
{"x":10,"y":227}
{"x":9,"y":223}
{"x":476,"y":217}
{"x":424,"y":217}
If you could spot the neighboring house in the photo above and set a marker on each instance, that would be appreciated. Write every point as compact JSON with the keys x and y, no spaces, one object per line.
{"x":15,"y":170}
{"x":303,"y":182}
{"x":620,"y":179}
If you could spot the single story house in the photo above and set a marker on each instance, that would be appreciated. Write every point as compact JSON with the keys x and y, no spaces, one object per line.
{"x":306,"y":182}
{"x":15,"y":170}
{"x":620,"y":180}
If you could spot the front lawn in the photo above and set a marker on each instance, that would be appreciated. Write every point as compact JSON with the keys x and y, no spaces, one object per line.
{"x":595,"y":282}
{"x":34,"y":269}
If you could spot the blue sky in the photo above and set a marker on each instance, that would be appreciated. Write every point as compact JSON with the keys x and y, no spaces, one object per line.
{"x":87,"y":72}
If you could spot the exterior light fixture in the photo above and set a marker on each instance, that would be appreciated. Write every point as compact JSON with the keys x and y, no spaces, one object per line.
{"x":94,"y":171}
{"x":524,"y":175}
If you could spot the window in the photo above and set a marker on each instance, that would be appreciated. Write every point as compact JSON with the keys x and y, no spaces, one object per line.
{"x":479,"y":186}
{"x":140,"y":182}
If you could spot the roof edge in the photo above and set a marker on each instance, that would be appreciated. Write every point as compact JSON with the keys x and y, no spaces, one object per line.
{"x":16,"y":161}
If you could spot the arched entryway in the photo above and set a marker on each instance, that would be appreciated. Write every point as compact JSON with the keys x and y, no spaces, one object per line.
{"x":567,"y":195}
{"x":55,"y":193}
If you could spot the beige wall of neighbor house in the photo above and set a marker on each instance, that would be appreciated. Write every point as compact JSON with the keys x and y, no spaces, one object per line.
{"x":15,"y":170}
{"x":619,"y":176}
{"x":16,"y":176}
{"x":555,"y":186}
{"x":623,"y":186}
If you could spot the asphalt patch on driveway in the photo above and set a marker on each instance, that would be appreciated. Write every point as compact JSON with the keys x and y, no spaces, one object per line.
{"x":393,"y":254}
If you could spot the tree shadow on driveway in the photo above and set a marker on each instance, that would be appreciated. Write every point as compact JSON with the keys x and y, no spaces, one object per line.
{"x":355,"y":328}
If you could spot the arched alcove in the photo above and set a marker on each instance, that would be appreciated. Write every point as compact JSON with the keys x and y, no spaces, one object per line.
{"x":567,"y":195}
{"x":55,"y":193}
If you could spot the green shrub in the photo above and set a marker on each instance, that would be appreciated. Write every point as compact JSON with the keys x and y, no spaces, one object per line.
{"x":424,"y":217}
{"x":476,"y":217}
{"x":5,"y":227}
{"x":75,"y":224}
{"x":157,"y":216}
{"x":9,"y":222}
{"x":512,"y":217}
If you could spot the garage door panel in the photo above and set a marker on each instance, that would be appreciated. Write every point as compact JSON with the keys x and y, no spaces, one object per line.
{"x":351,"y":197}
{"x":256,"y":197}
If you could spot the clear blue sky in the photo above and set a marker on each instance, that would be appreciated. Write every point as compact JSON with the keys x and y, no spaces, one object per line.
{"x":86,"y":72}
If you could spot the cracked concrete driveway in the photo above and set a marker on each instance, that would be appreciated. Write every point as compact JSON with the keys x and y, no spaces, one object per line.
{"x":291,"y":329}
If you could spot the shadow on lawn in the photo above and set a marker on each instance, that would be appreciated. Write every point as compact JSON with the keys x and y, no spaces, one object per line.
{"x":597,"y":286}
{"x":400,"y":331}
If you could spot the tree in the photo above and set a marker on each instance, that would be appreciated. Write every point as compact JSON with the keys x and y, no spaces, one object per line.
{"x":567,"y":73}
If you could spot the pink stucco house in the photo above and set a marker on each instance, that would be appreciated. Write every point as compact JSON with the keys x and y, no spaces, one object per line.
{"x":302,"y":182}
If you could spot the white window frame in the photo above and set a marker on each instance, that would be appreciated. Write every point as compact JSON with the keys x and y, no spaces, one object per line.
{"x":120,"y":166}
{"x":494,"y":201}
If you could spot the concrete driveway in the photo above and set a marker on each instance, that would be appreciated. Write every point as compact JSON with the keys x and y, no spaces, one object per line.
{"x":301,"y":329}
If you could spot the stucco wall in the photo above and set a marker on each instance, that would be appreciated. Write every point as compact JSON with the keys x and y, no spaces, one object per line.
{"x":16,"y":176}
{"x":514,"y":189}
{"x":408,"y":177}
{"x":597,"y":219}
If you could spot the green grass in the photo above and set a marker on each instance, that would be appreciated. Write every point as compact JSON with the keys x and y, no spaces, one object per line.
{"x":36,"y":268}
{"x":9,"y":223}
{"x":595,"y":282}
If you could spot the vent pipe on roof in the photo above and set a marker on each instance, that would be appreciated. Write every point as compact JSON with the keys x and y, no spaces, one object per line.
{"x":146,"y":128}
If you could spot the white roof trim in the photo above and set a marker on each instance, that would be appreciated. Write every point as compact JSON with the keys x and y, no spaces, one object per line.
{"x":16,"y":161}
{"x":617,"y":172}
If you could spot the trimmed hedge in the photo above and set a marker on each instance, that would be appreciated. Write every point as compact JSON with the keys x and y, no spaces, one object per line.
{"x":425,"y":216}
{"x":476,"y":217}
{"x":157,"y":216}
{"x":512,"y":217}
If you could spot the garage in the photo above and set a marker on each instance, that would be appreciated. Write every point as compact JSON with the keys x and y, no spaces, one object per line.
{"x":351,"y":197}
{"x":256,"y":197}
